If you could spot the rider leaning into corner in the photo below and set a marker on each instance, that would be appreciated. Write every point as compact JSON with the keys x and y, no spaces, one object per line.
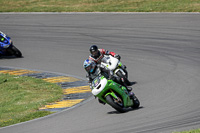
{"x":97,"y":54}
{"x":93,"y":70}
{"x":96,"y":57}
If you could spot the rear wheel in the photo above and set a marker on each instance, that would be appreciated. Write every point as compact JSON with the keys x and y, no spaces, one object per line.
{"x":115,"y":103}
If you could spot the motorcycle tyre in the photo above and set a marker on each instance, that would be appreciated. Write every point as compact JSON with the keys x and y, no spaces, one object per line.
{"x":111,"y":102}
{"x":127,"y":82}
{"x":136,"y":102}
{"x":126,"y":73}
{"x":16,"y":51}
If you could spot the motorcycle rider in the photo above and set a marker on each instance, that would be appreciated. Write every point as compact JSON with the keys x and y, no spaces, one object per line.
{"x":97,"y":54}
{"x":93,"y":70}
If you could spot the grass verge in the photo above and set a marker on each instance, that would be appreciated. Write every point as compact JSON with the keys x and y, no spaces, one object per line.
{"x":191,"y":131}
{"x":21,"y":97}
{"x":100,"y":6}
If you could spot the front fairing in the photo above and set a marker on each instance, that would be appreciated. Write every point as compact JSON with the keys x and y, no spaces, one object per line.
{"x":110,"y":62}
{"x":121,"y":90}
{"x":103,"y":87}
{"x":98,"y":85}
{"x":5,"y":42}
{"x":4,"y":48}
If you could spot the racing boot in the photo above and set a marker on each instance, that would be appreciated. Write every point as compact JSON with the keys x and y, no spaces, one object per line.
{"x":124,"y":67}
{"x":131,"y":94}
{"x":129,"y":89}
{"x":132,"y":83}
{"x":129,"y":83}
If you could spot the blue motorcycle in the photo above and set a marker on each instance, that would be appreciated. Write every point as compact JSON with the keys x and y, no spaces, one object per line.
{"x":7,"y":48}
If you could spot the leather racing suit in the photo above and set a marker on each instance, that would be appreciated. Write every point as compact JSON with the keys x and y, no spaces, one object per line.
{"x":103,"y":52}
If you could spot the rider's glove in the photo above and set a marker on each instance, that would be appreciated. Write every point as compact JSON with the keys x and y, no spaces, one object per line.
{"x":117,"y":56}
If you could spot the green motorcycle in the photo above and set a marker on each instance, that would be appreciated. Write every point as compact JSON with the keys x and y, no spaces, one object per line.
{"x":113,"y":94}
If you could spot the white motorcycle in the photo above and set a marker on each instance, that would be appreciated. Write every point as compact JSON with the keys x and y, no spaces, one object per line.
{"x":116,"y":67}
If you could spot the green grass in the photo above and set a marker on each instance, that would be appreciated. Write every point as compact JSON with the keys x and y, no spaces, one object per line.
{"x":21,"y":97}
{"x":100,"y":6}
{"x":191,"y":131}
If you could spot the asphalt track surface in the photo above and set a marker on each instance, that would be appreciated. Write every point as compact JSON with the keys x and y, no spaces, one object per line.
{"x":161,"y":52}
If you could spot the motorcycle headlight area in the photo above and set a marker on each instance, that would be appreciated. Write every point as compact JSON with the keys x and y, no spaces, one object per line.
{"x":95,"y":82}
{"x":99,"y":87}
{"x":6,"y":46}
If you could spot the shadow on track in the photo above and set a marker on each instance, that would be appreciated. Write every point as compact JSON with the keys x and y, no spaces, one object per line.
{"x":126,"y":110}
{"x":10,"y":57}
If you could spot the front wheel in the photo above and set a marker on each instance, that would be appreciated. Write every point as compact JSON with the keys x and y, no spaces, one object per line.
{"x":127,"y":82}
{"x":116,"y":105}
{"x":136,"y":102}
{"x":16,"y":51}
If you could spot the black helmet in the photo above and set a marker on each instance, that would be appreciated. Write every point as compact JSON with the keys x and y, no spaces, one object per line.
{"x":94,"y":51}
{"x":93,"y":48}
